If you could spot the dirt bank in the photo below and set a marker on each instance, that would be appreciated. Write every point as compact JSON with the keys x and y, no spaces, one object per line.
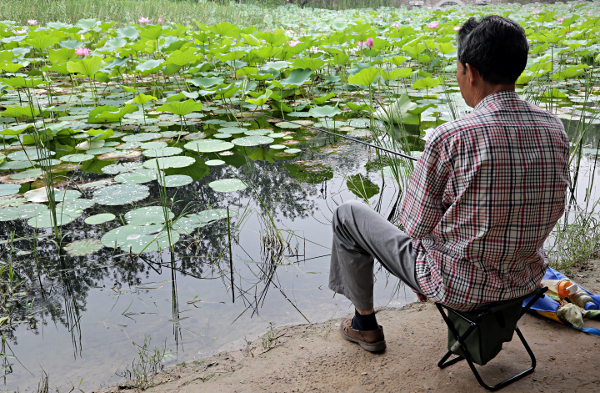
{"x":314,"y":358}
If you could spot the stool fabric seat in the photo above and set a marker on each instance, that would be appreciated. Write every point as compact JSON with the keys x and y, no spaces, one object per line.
{"x":477,"y":336}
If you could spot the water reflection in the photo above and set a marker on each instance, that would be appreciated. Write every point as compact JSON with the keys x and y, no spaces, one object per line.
{"x":276,"y":271}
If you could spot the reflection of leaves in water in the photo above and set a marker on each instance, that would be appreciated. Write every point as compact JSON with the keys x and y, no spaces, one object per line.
{"x":362,"y":187}
{"x":309,"y":172}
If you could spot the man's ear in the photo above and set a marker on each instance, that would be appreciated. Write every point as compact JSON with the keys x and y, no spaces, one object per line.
{"x":472,"y":74}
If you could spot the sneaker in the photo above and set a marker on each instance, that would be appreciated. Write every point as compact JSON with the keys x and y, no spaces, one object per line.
{"x":370,"y":340}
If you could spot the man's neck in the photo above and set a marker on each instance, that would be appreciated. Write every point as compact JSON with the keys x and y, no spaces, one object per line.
{"x":488,"y":88}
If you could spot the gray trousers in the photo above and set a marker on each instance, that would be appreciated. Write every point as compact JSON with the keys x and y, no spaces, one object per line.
{"x":359,"y":235}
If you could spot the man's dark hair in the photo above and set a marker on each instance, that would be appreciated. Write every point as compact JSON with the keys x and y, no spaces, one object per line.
{"x":497,"y":47}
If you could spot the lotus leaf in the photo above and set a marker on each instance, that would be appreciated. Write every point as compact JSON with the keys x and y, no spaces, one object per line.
{"x":115,"y":169}
{"x":254,"y":140}
{"x":207,"y":146}
{"x":28,"y":174}
{"x":153,"y":145}
{"x":164,"y":152}
{"x":227,"y":185}
{"x":83,"y":247}
{"x":63,"y":217}
{"x":9,"y":189}
{"x":99,"y":218}
{"x":176,"y":180}
{"x":77,"y":157}
{"x":120,"y":194}
{"x":214,"y":162}
{"x":169,"y":162}
{"x":137,"y":177}
{"x":146,"y":136}
{"x":124,"y":236}
{"x":148,"y":215}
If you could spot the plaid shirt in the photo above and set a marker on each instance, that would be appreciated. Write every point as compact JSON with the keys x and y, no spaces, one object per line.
{"x":483,"y":198}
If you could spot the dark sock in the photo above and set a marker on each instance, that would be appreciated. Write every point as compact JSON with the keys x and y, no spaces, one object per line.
{"x":364,"y":322}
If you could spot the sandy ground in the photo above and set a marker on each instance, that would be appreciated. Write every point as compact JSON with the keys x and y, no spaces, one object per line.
{"x":314,"y":358}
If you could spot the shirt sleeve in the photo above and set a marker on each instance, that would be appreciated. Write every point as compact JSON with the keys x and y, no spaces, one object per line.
{"x":422,"y":207}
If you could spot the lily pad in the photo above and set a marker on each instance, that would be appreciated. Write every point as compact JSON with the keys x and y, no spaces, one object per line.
{"x":137,"y":177}
{"x":292,"y":151}
{"x":164,"y":152}
{"x":142,"y":137}
{"x":227,"y":185}
{"x":233,"y":130}
{"x":147,"y":215}
{"x":153,"y":145}
{"x":125,"y":235}
{"x":169,"y":162}
{"x":176,"y":180}
{"x":208,"y":146}
{"x":83,"y":247}
{"x":254,"y":140}
{"x":121,"y":194}
{"x":214,"y":162}
{"x":115,"y":169}
{"x":278,"y":147}
{"x":101,"y":218}
{"x":77,"y":157}
{"x":101,"y":150}
{"x":9,"y":189}
{"x":15,"y":165}
{"x":63,"y":217}
{"x":30,"y":174}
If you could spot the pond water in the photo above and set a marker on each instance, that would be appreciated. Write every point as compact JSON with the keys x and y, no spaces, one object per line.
{"x":87,"y":310}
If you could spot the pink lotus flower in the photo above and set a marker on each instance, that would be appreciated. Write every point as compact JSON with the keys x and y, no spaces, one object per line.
{"x":433,"y":25}
{"x":32,"y":22}
{"x":559,"y":20}
{"x":143,"y":20}
{"x":408,"y":19}
{"x":536,"y":11}
{"x":456,"y":28}
{"x":463,"y":15}
{"x":428,"y":8}
{"x":82,"y":52}
{"x":369,"y":42}
{"x":361,"y":43}
{"x":160,"y":21}
{"x":396,"y":25}
{"x":23,"y":31}
{"x":293,"y":43}
{"x":439,"y":8}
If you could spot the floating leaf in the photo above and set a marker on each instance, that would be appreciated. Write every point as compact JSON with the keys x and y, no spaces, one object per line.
{"x":254,"y":140}
{"x":176,"y":180}
{"x":169,"y":162}
{"x":99,"y":218}
{"x":207,"y":146}
{"x":148,"y":215}
{"x":214,"y":162}
{"x":9,"y":189}
{"x":83,"y":247}
{"x":77,"y":157}
{"x":121,"y":194}
{"x":227,"y":185}
{"x":164,"y":152}
{"x":63,"y":217}
{"x":137,"y":177}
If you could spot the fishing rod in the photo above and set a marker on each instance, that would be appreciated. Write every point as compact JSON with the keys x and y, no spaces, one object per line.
{"x":345,"y":137}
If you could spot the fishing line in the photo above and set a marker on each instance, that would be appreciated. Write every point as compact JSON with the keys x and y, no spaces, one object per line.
{"x":345,"y":137}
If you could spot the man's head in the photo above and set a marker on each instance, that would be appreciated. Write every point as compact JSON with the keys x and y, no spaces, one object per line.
{"x":492,"y":54}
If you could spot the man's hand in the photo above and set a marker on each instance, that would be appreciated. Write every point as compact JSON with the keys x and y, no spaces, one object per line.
{"x":420,"y":296}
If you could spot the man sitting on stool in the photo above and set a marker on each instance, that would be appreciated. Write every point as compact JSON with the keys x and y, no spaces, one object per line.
{"x":482,"y":199}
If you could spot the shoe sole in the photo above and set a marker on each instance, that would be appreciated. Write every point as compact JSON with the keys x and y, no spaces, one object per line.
{"x":371,"y":347}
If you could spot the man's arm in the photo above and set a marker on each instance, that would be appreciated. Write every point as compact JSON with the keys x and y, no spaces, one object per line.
{"x":422,"y":206}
